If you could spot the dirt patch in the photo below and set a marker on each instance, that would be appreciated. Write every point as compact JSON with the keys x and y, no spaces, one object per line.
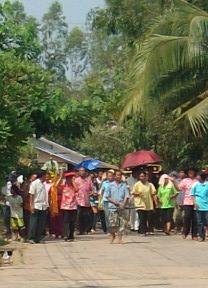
{"x":11,"y":255}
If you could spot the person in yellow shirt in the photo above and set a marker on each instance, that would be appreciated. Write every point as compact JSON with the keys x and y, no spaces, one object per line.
{"x":143,"y":193}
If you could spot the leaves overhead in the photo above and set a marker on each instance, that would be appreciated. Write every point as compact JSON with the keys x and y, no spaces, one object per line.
{"x":71,"y":86}
{"x":182,"y":51}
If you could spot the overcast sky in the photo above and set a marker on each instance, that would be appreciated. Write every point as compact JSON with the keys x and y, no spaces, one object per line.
{"x":74,"y":10}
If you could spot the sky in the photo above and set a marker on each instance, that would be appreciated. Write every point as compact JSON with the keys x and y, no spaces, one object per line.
{"x":74,"y":10}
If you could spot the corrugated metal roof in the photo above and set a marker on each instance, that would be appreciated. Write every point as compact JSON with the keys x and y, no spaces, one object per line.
{"x":66,"y":154}
{"x":52,"y":148}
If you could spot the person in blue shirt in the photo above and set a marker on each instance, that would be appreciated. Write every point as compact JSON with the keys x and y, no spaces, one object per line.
{"x":104,"y":200}
{"x":200,"y":193}
{"x":117,"y":194}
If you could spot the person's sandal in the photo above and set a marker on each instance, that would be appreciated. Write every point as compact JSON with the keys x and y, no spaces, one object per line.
{"x":120,"y":241}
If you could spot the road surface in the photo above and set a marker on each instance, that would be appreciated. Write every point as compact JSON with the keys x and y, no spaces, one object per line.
{"x":90,"y":261}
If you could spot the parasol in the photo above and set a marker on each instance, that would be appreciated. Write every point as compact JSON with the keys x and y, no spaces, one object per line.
{"x":140,"y":158}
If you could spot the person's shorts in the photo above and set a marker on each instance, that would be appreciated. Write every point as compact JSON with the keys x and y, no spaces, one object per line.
{"x":167,"y":214}
{"x":17,"y":223}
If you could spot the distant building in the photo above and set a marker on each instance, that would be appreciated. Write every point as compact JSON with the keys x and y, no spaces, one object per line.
{"x":65,"y":157}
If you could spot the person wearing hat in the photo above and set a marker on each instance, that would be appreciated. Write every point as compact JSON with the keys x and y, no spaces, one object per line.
{"x":69,"y":205}
{"x":167,"y":194}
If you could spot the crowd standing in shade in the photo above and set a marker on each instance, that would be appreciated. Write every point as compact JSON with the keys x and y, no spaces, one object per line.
{"x":81,"y":202}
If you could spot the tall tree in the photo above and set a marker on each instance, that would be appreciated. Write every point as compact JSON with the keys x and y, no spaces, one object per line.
{"x":76,"y":50}
{"x":54,"y":36}
{"x":26,"y":95}
{"x":18,"y":32}
{"x":129,"y":18}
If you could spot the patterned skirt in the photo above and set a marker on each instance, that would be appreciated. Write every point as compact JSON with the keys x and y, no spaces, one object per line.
{"x":117,"y":220}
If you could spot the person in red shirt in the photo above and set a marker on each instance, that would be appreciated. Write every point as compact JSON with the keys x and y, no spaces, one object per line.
{"x":69,"y":206}
{"x":84,"y":191}
{"x":190,"y":219}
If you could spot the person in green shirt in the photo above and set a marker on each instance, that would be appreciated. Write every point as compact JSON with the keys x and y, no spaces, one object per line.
{"x":167,"y":194}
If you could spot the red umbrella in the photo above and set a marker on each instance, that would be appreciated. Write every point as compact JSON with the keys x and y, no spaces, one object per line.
{"x":140,"y":158}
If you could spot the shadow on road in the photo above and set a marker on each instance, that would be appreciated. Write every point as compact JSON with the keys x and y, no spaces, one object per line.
{"x":136,"y":242}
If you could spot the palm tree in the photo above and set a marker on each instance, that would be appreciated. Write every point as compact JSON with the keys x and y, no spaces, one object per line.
{"x":171,"y":67}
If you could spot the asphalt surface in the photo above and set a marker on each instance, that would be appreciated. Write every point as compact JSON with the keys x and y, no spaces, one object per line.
{"x":90,"y":261}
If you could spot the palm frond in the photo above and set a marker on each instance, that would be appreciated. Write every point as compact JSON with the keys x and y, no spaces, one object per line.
{"x":198,"y":43}
{"x":158,"y":56}
{"x":171,"y":65}
{"x":187,"y":8}
{"x":197,"y":115}
{"x":176,"y":20}
{"x":180,"y":85}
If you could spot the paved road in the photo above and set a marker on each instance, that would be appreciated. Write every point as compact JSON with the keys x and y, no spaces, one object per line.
{"x":154,"y":261}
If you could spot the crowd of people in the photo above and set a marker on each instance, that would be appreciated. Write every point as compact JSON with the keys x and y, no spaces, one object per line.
{"x":46,"y":207}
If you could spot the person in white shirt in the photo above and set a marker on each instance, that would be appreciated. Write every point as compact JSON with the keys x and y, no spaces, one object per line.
{"x":134,"y":219}
{"x":6,"y":192}
{"x":38,"y":206}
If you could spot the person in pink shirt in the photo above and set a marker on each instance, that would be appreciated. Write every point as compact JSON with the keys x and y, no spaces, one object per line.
{"x":84,"y":191}
{"x":69,"y":206}
{"x":190,"y":219}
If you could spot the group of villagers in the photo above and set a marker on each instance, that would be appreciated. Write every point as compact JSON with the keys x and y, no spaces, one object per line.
{"x":62,"y":205}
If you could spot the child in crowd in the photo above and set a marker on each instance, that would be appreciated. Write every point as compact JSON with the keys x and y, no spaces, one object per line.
{"x":16,"y":206}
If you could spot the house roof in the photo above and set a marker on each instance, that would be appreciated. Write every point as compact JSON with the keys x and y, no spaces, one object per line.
{"x":67,"y":155}
{"x":54,"y":149}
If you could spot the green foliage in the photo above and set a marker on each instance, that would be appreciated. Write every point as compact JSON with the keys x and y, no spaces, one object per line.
{"x":76,"y":49}
{"x":169,"y":39}
{"x":27,"y":161}
{"x":175,"y":143}
{"x":164,"y":61}
{"x":54,"y":34}
{"x":108,"y":143}
{"x":73,"y":118}
{"x":203,"y":4}
{"x":128,"y":18}
{"x":18,"y":32}
{"x":75,"y":39}
{"x":24,"y":91}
